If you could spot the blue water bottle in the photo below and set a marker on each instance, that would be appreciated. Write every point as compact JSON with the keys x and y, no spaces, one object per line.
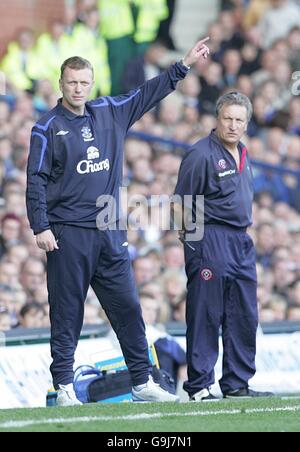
{"x":51,"y":397}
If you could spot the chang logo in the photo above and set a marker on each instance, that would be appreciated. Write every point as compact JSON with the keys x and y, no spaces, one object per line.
{"x":88,"y":166}
{"x":93,"y":153}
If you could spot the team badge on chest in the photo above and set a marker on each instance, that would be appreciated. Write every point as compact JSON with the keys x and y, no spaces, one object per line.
{"x":87,"y":134}
{"x":222,"y":164}
{"x":206,"y":274}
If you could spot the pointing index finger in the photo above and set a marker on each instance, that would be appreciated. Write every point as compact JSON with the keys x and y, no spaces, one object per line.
{"x":204,"y":40}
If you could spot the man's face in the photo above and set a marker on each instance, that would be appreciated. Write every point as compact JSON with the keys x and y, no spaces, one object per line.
{"x":33,"y":276}
{"x":11,"y":230}
{"x":232,"y":124}
{"x":76,"y":86}
{"x":143,"y":270}
{"x":5,"y":323}
{"x":150,"y":310}
{"x":9,"y":274}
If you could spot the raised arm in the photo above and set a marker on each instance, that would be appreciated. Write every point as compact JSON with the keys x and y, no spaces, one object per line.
{"x":129,"y":108}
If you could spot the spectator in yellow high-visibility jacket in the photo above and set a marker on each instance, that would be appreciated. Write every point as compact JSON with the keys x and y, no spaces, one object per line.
{"x":21,"y":64}
{"x":88,"y":43}
{"x":51,"y":48}
{"x":150,"y":13}
{"x":117,"y":27}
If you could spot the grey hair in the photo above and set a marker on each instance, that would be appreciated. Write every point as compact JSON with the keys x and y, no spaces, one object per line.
{"x":235,"y":98}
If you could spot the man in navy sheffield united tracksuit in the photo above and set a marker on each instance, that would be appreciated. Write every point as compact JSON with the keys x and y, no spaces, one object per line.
{"x":76,"y":155}
{"x":221,"y":268}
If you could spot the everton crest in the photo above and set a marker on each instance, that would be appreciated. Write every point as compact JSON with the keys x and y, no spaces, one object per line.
{"x":87,"y":134}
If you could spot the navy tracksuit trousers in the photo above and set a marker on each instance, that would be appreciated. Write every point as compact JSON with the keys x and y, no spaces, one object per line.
{"x":222,"y":286}
{"x":100,"y":259}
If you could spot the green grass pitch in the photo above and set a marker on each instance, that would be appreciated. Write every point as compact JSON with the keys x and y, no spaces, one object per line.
{"x":256,"y":415}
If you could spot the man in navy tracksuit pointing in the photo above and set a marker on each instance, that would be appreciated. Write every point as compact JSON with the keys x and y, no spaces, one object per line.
{"x":76,"y":155}
{"x":221,"y":268}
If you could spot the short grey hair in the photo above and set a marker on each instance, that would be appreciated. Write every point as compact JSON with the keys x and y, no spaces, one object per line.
{"x":235,"y":98}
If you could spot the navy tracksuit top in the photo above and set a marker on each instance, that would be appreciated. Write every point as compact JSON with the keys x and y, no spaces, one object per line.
{"x":221,"y":268}
{"x":209,"y":169}
{"x":75,"y":159}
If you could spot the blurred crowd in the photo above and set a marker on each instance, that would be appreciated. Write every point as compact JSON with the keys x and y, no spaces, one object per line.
{"x":255,"y":48}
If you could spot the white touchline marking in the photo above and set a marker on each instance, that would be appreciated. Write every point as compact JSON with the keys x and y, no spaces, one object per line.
{"x":142,"y":416}
{"x":290,"y":398}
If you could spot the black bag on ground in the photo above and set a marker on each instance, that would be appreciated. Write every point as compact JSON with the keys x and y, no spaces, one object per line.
{"x":113,"y":386}
{"x":164,"y":379}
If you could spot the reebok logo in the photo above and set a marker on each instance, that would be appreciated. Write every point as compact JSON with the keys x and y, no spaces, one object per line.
{"x":227,"y":173}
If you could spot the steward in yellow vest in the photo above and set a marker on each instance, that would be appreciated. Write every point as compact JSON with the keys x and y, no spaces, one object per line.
{"x":21,"y":64}
{"x":117,"y":27}
{"x":88,"y":42}
{"x":150,"y":13}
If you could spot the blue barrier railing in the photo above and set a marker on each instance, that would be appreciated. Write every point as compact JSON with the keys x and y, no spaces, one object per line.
{"x":181,"y":145}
